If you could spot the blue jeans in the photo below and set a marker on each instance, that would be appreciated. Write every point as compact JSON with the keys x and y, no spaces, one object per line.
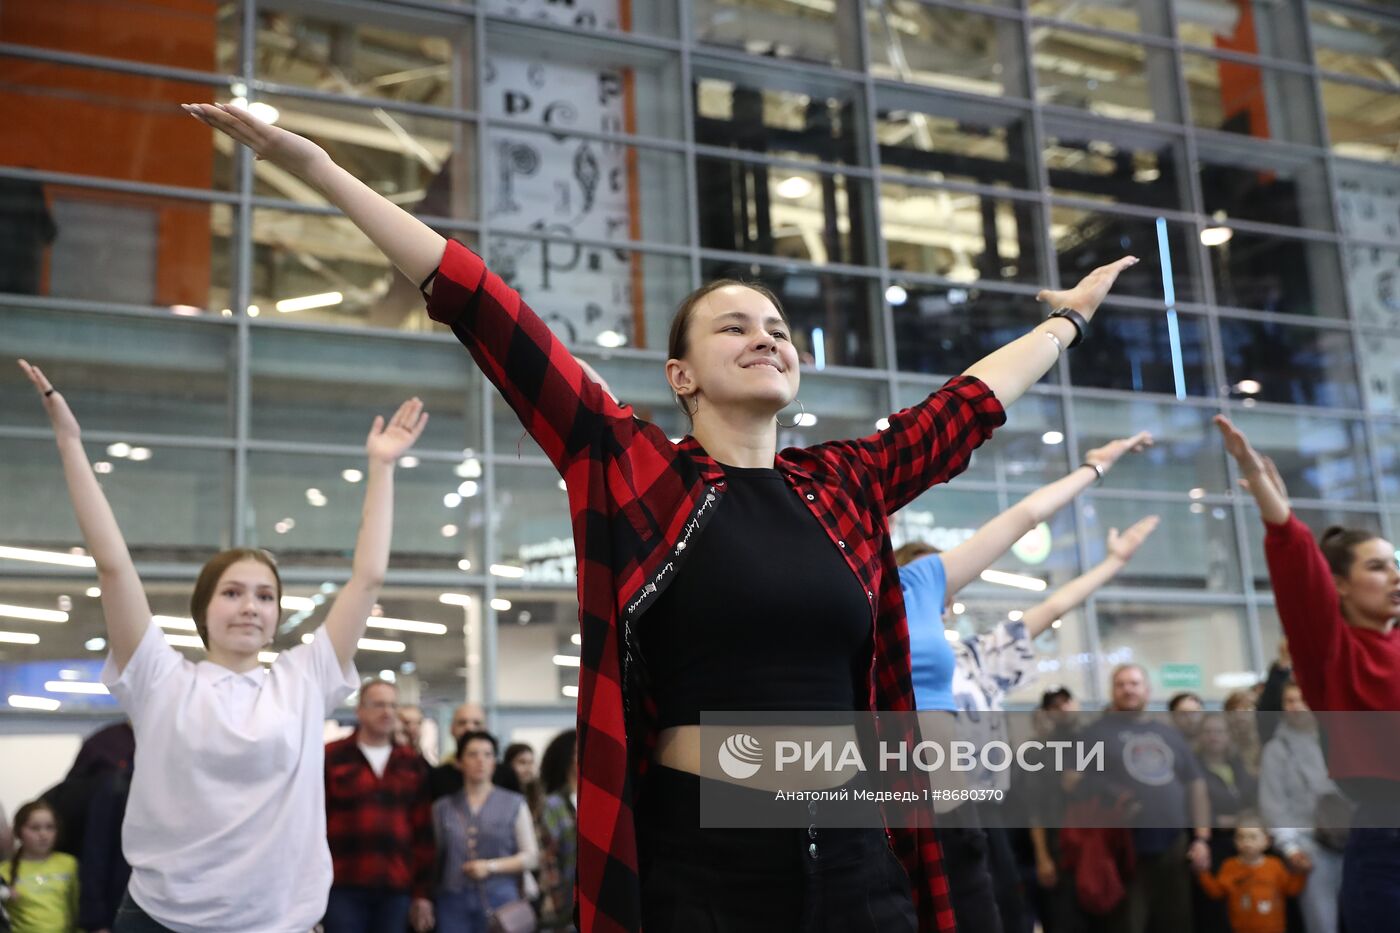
{"x":1371,"y":879}
{"x":464,"y":911}
{"x":132,"y":919}
{"x":366,"y":910}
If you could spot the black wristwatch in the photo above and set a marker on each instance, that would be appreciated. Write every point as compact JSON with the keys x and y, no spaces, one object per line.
{"x":1074,"y":317}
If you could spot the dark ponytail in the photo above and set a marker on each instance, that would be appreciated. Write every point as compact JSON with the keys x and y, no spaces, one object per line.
{"x":22,"y":816}
{"x":1338,"y":546}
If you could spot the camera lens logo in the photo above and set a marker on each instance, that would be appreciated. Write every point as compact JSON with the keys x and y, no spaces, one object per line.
{"x":740,"y":756}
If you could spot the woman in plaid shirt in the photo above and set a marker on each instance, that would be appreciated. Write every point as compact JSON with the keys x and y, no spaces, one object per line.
{"x":638,"y":503}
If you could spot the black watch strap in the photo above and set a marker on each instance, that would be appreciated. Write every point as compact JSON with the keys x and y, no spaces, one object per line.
{"x":1074,"y":317}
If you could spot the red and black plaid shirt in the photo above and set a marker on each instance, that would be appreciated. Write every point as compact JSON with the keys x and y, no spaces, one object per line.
{"x":636,"y":500}
{"x":380,"y":829}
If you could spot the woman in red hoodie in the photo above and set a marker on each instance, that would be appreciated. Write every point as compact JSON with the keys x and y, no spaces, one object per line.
{"x":1338,"y":600}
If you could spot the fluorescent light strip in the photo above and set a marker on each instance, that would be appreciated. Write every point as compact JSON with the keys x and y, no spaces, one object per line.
{"x":47,"y":557}
{"x":566,"y":660}
{"x":506,"y":570}
{"x":40,"y":703}
{"x":377,"y":644}
{"x":75,"y":686}
{"x":307,"y":302}
{"x":19,"y":638}
{"x":408,"y":625}
{"x":30,"y":614}
{"x":569,"y":691}
{"x":267,"y":657}
{"x":576,"y":638}
{"x":184,"y":641}
{"x":178,"y":623}
{"x":455,"y":599}
{"x":1020,"y":581}
{"x":298,"y":603}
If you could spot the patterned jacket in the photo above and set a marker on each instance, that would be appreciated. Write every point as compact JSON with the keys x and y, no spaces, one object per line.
{"x":636,"y":501}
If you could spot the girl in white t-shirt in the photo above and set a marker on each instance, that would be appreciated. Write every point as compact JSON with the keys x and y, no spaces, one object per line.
{"x":225,"y":827}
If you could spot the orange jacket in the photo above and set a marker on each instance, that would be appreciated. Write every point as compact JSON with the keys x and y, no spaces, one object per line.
{"x":1254,"y":893}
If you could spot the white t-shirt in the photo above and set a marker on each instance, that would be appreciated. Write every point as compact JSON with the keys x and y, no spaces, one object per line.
{"x":377,"y":756}
{"x":225,"y":827}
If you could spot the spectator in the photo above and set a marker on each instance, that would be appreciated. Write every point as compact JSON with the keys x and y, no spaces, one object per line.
{"x":1270,"y":699}
{"x":1244,"y":727}
{"x":1253,"y":885}
{"x":1292,"y":779}
{"x":1232,"y":788}
{"x":103,"y":880}
{"x":485,"y":839}
{"x":409,"y":730}
{"x":42,"y":882}
{"x":7,"y":838}
{"x":446,"y":778}
{"x":558,"y":831}
{"x":1186,"y":709}
{"x":107,"y":750}
{"x":378,"y":824}
{"x":1051,"y":895}
{"x":1150,"y":763}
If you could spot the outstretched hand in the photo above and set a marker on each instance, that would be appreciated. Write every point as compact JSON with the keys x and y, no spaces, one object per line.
{"x":1106,"y":456}
{"x":282,"y":148}
{"x":1124,"y":546}
{"x":65,"y":424}
{"x":1258,"y":473}
{"x":1091,"y":290}
{"x":388,"y":442}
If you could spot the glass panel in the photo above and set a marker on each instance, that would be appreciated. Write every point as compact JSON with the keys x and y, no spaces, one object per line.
{"x":340,"y":276}
{"x":424,"y":164}
{"x":1192,"y":549}
{"x":943,"y":330}
{"x":780,"y":29}
{"x":567,"y":81}
{"x":1213,"y":638}
{"x":1387,"y":437}
{"x":1263,"y":185}
{"x":1144,"y":351}
{"x":1251,"y":27}
{"x":1380,"y":363}
{"x":313,"y":387}
{"x":57,"y":240}
{"x":654,"y":18}
{"x":187,"y":35}
{"x":945,"y":519}
{"x":306,"y":508}
{"x":1361,"y":121}
{"x":920,"y":44}
{"x":368,"y":50}
{"x":837,"y":408}
{"x":961,"y":236}
{"x":1103,"y":75}
{"x":1318,"y":520}
{"x":43,"y":103}
{"x":1273,"y":273}
{"x":590,"y":295}
{"x":1291,"y":364}
{"x":1368,"y":201}
{"x":1085,"y":240}
{"x":537,"y":628}
{"x":752,"y":208}
{"x":833,"y":316}
{"x":172,"y":503}
{"x":1064,"y":661}
{"x":788,"y":115}
{"x":530,"y":514}
{"x":1353,"y":45}
{"x":582,"y":187}
{"x":1249,"y":100}
{"x":120,"y":373}
{"x":1142,"y":16}
{"x":1114,"y":163}
{"x":952,"y":139}
{"x":1186,"y":455}
{"x":1318,"y":458}
{"x":1030,"y":448}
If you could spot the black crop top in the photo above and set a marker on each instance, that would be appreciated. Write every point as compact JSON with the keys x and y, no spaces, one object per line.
{"x":764,"y":614}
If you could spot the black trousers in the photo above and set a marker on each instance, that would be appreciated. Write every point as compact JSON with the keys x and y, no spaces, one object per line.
{"x":814,"y":880}
{"x":967,"y":863}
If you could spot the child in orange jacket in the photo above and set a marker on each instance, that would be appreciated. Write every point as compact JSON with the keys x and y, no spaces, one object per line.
{"x":1254,"y":885}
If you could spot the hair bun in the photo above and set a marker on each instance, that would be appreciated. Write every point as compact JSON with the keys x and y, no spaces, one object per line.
{"x":1332,"y":532}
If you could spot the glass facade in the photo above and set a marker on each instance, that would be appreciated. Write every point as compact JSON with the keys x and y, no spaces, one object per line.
{"x":905,"y":175}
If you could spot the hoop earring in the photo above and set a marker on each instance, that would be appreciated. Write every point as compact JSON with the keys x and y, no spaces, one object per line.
{"x":795,"y":421}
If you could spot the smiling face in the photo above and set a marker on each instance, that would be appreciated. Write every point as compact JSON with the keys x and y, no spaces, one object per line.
{"x":242,"y":613}
{"x":1370,"y":591}
{"x":736,"y":353}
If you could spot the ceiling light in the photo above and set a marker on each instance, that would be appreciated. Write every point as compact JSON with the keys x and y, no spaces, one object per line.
{"x":1020,"y":581}
{"x":184,"y":641}
{"x":254,"y":311}
{"x":267,"y":657}
{"x":93,"y":591}
{"x":464,"y":565}
{"x":19,"y":638}
{"x":264,"y":112}
{"x":794,"y":187}
{"x":30,"y":614}
{"x":140,"y":453}
{"x":959,"y":609}
{"x":569,"y":690}
{"x":102,"y":468}
{"x":351,"y":476}
{"x":500,"y":605}
{"x":450,"y":531}
{"x":1216,"y":236}
{"x":1052,"y":437}
{"x":47,"y":557}
{"x":806,"y":419}
{"x":567,"y":660}
{"x":610,"y":339}
{"x":882,"y":425}
{"x":95,"y":644}
{"x":896,"y":295}
{"x":507,"y":570}
{"x":75,"y":686}
{"x":950,"y":634}
{"x":468,"y":489}
{"x":308,"y":638}
{"x":298,"y":603}
{"x":408,"y":462}
{"x":1057,"y":623}
{"x":1248,"y":386}
{"x":1197,"y":493}
{"x":40,"y":703}
{"x":451,"y":500}
{"x":576,"y":638}
{"x":307,"y":302}
{"x":408,"y":625}
{"x":179,"y":623}
{"x":455,"y":599}
{"x":1015,"y":615}
{"x":468,"y":469}
{"x":381,"y":644}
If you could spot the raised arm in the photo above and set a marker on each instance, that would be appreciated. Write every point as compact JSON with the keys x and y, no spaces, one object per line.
{"x":1257,"y":474}
{"x":349,"y":614}
{"x":965,"y":562}
{"x":1014,"y":368}
{"x":1121,"y":549}
{"x":124,"y":604}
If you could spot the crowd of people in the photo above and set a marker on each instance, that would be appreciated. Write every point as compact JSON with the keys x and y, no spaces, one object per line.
{"x":720,"y":574}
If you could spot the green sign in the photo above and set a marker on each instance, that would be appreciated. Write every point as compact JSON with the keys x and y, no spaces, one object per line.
{"x":1181,"y":676}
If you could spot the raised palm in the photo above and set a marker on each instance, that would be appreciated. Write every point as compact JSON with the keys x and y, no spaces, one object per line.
{"x":387,"y":442}
{"x":1124,"y":546}
{"x":287,"y":150}
{"x":65,"y":424}
{"x":1086,"y":296}
{"x":1109,"y":454}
